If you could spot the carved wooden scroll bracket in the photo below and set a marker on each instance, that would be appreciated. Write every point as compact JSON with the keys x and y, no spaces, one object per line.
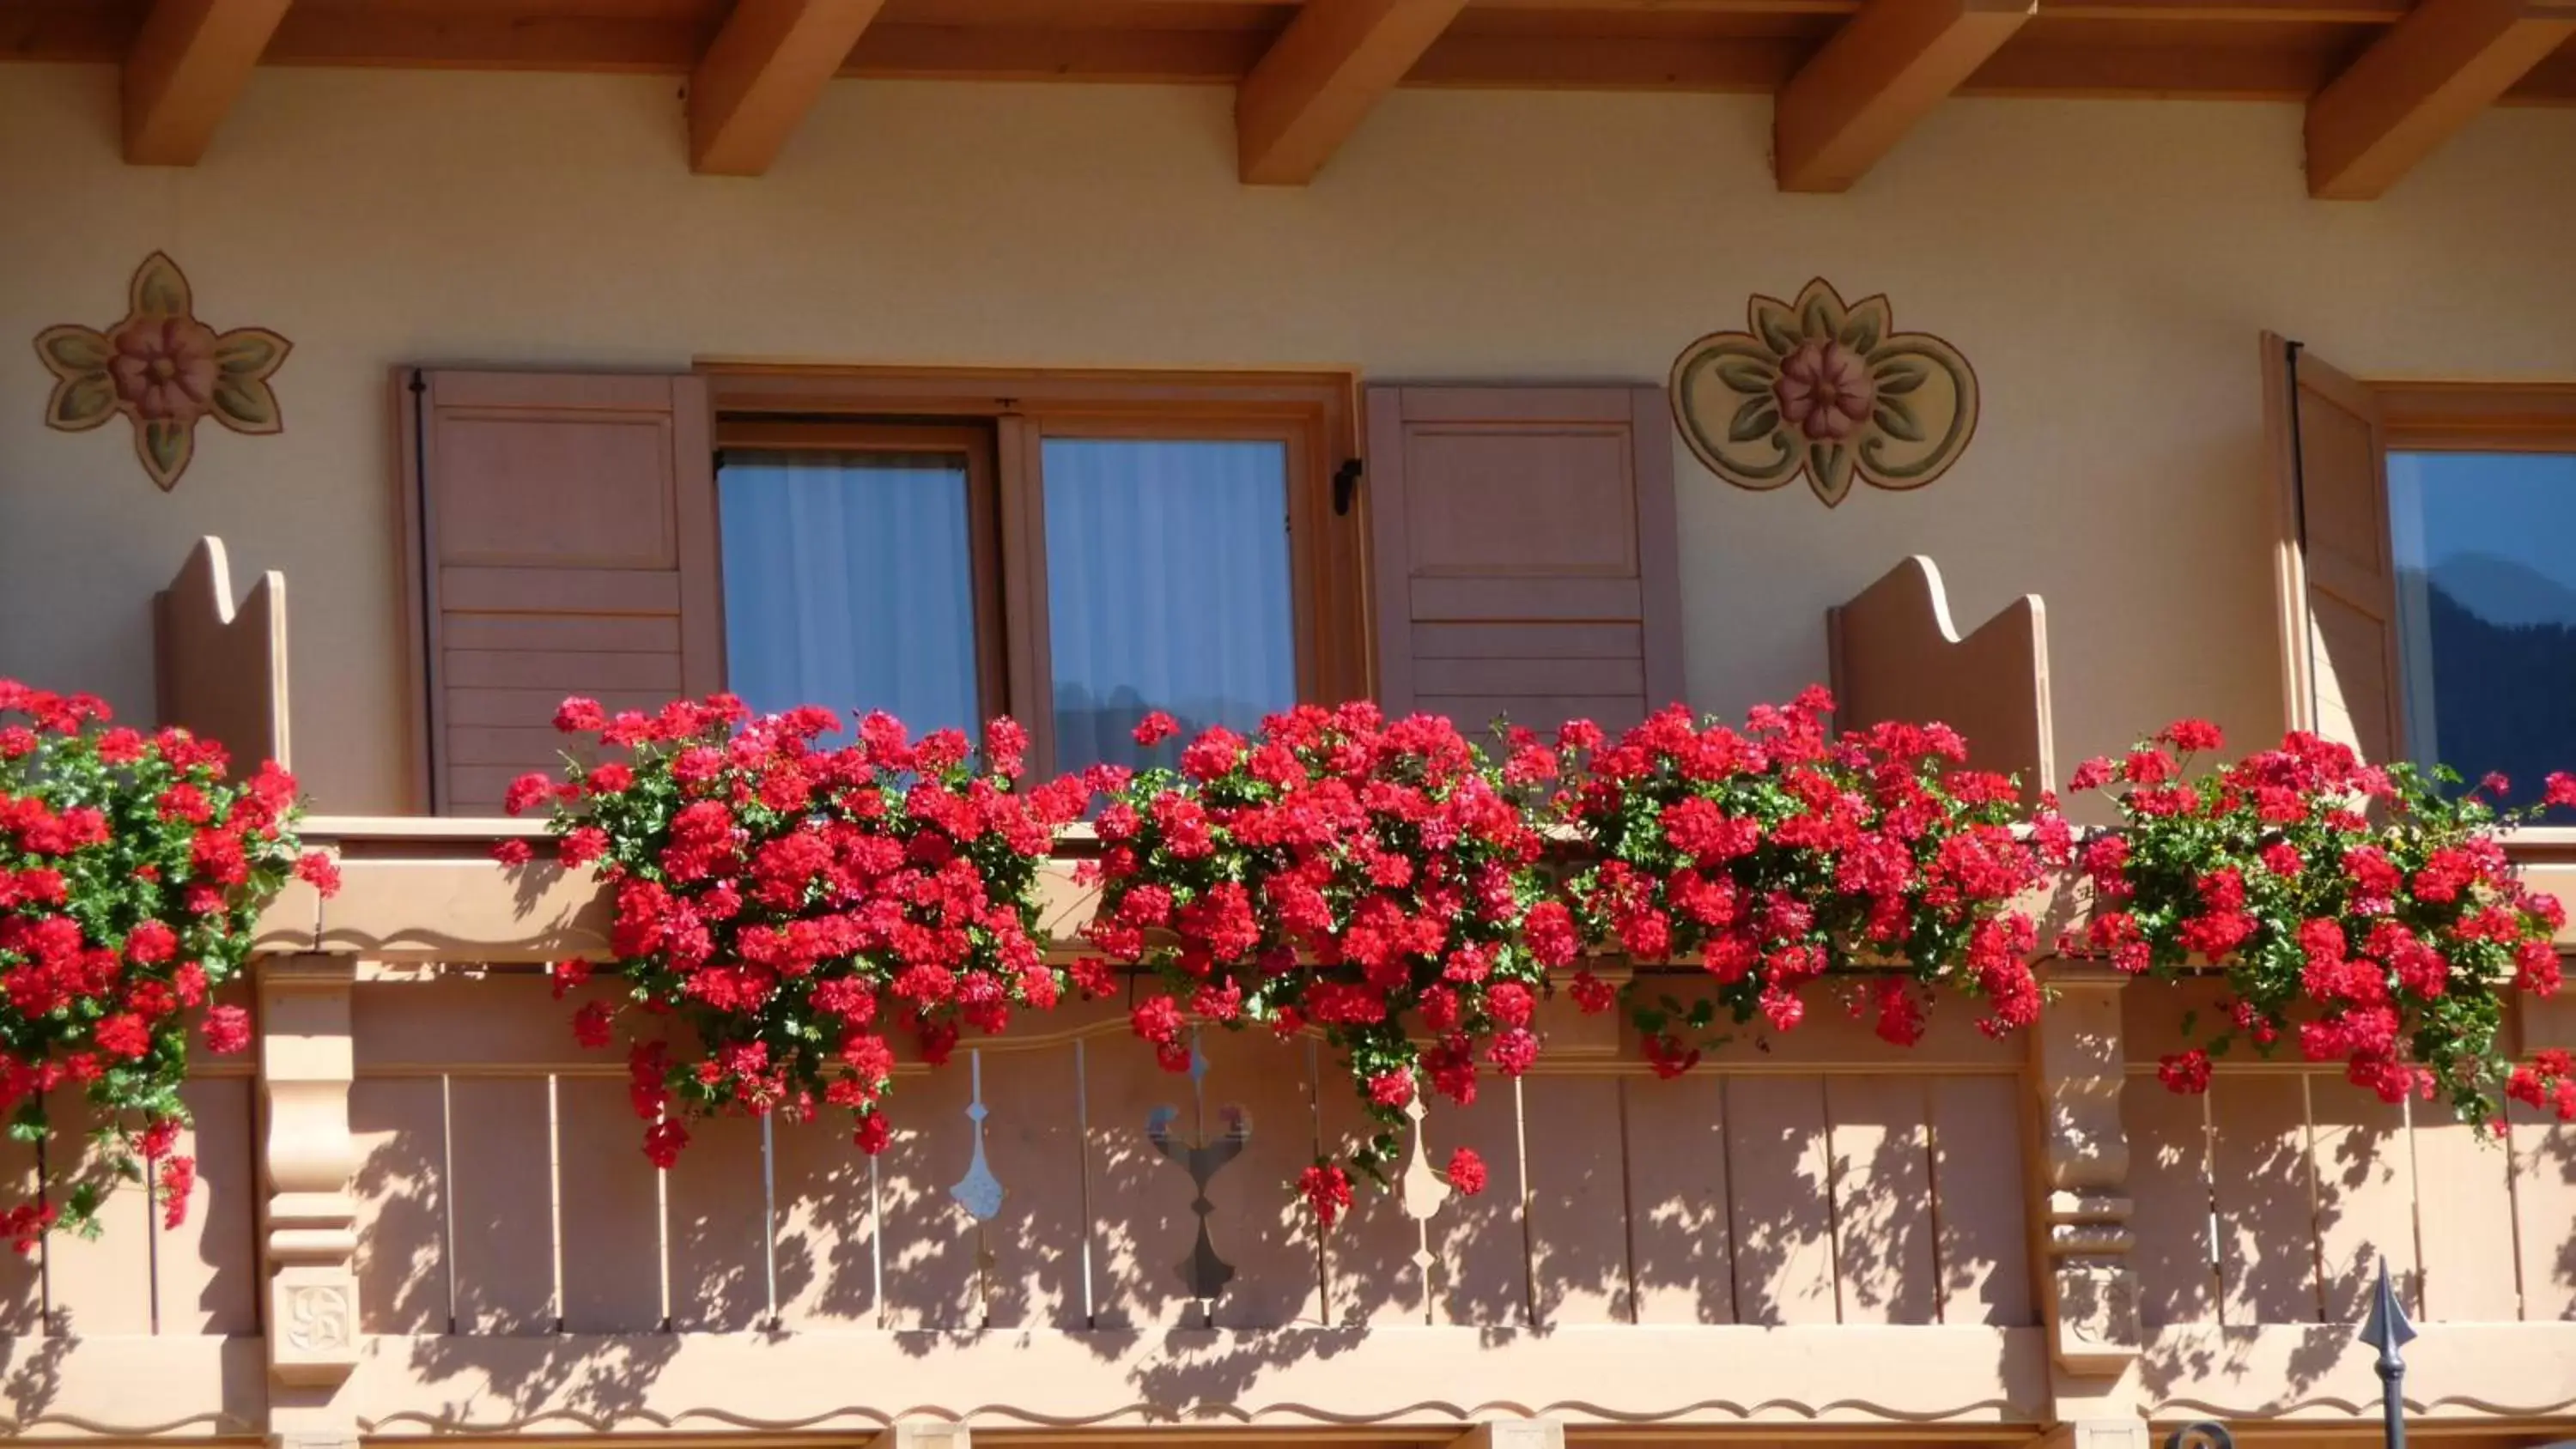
{"x":307,"y":1161}
{"x":2079,"y":1069}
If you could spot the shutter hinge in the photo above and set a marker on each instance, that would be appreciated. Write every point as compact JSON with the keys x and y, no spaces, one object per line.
{"x":1346,"y":482}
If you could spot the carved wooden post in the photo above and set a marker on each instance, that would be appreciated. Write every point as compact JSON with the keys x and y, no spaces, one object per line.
{"x":307,"y":1161}
{"x":2079,"y":1066}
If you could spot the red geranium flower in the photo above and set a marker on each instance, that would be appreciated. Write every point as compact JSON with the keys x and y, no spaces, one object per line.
{"x":1327,"y":1190}
{"x":783,"y":899}
{"x":227,"y":1030}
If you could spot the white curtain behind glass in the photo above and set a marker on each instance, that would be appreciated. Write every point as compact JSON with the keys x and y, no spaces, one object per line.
{"x":1167,"y":588}
{"x":849,"y":584}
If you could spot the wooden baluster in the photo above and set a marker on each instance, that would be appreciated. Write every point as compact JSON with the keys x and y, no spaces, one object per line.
{"x":308,"y":1158}
{"x":1422,"y":1193}
{"x":979,"y":1194}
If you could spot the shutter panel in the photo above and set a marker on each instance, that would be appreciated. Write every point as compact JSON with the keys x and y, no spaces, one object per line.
{"x":561,"y":537}
{"x":2334,"y":575}
{"x":1525,"y":564}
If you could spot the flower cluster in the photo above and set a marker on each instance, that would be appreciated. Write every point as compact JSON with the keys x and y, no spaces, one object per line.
{"x":132,"y":869}
{"x":788,"y":906}
{"x":1373,"y":878}
{"x":1775,"y":854}
{"x":2365,"y":914}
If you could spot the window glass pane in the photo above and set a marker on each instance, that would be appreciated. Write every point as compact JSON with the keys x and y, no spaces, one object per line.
{"x":2486,"y":607}
{"x":849,"y":583}
{"x":1167,"y":588}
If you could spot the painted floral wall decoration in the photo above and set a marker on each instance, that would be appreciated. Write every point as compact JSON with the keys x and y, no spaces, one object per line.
{"x":164,"y":370}
{"x":1825,"y":390}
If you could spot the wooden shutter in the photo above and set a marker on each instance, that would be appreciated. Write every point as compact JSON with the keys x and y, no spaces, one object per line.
{"x":2334,"y":575}
{"x":1525,"y":564}
{"x":560,"y":534}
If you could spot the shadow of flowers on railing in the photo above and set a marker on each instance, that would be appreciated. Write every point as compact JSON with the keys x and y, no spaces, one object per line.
{"x":1819,"y":1180}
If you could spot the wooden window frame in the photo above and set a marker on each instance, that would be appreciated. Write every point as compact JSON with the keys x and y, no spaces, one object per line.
{"x":1314,"y":414}
{"x":2477,"y":417}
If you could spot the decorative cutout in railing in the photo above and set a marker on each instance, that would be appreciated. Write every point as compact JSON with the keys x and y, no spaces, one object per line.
{"x":1203,"y":1272}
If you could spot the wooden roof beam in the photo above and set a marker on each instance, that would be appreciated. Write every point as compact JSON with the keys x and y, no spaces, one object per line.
{"x":2421,"y":82}
{"x":766,"y":69}
{"x":1316,"y":83}
{"x":1884,"y":70}
{"x":189,"y":64}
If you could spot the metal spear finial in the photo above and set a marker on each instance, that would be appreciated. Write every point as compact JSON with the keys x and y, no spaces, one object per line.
{"x":2388,"y":1331}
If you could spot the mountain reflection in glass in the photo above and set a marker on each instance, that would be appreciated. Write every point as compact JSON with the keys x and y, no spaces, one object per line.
{"x":1167,"y":588}
{"x":2486,"y":607}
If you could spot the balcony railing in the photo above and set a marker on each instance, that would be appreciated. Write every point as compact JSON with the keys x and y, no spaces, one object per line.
{"x":424,"y":1213}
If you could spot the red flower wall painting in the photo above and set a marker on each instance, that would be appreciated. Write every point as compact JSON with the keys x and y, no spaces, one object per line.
{"x":164,"y":370}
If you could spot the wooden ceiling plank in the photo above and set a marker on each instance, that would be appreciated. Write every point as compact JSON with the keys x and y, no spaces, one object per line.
{"x":2419,"y":84}
{"x":1746,"y":66}
{"x":1320,"y":78}
{"x":1883,"y":71}
{"x":894,"y":49}
{"x":189,"y":63}
{"x":2025,"y":70}
{"x":766,"y":69}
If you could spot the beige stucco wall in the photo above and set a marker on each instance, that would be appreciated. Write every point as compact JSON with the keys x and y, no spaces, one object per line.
{"x":2104,"y":265}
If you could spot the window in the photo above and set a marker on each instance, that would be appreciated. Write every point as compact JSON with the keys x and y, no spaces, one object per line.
{"x":853,"y":561}
{"x":2425,"y":613}
{"x":1072,"y":549}
{"x":1167,"y":588}
{"x":1074,"y":553}
{"x":2481,"y":498}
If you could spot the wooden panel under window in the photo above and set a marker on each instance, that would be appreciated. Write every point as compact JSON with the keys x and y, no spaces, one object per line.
{"x":2336,"y":579}
{"x":559,"y":540}
{"x":1525,"y":556}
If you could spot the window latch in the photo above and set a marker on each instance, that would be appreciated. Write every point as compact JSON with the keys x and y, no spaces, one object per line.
{"x":1346,"y":482}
